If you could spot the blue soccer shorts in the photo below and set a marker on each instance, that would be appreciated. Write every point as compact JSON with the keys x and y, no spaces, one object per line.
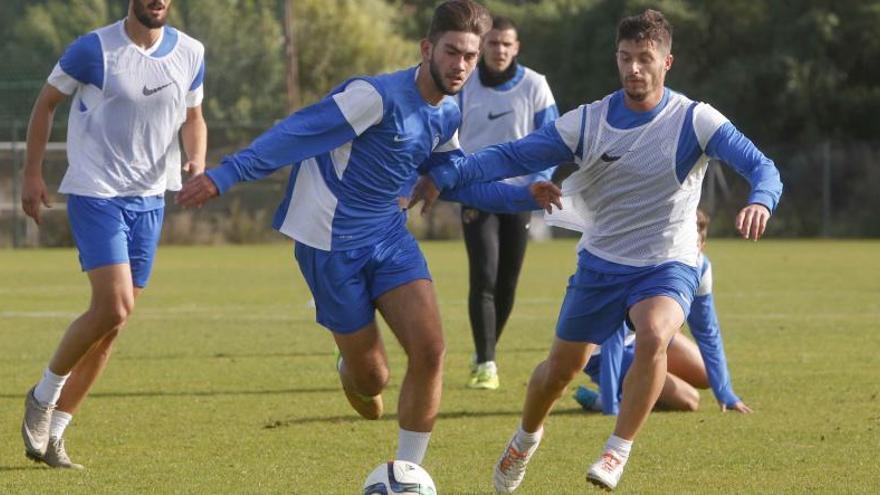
{"x":346,"y":284}
{"x":106,"y":233}
{"x":600,"y":294}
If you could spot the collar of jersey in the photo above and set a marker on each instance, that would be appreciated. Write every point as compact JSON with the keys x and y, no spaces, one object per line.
{"x":621,"y":117}
{"x":163,"y":46}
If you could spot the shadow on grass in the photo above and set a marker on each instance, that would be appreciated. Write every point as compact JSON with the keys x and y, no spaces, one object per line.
{"x":212,"y":393}
{"x":283,"y":423}
{"x":24,"y":468}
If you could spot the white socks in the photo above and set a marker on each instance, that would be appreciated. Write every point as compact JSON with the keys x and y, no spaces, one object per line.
{"x":525,"y":440}
{"x":412,"y":445}
{"x":619,"y":446}
{"x":49,"y":388}
{"x":60,"y":420}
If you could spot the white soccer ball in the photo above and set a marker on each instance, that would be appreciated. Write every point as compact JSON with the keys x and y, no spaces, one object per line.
{"x":400,"y":478}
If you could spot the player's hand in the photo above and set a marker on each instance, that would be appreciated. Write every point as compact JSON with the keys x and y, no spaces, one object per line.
{"x":194,"y":168}
{"x":424,"y":191}
{"x":196,"y":192}
{"x":739,"y":407}
{"x":546,"y":194}
{"x":752,"y":221}
{"x":34,"y":195}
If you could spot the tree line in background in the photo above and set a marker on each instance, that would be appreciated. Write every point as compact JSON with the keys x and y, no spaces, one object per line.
{"x":791,"y":74}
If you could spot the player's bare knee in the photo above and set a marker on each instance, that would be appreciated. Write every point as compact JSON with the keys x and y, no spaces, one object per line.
{"x":111,"y":316}
{"x":651,"y":342}
{"x":559,"y":374}
{"x":427,"y":358}
{"x":371,"y":381}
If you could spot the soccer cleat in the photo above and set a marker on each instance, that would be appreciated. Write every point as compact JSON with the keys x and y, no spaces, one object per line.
{"x":511,"y":467}
{"x":586,"y":398}
{"x":605,"y":473}
{"x":56,"y":456}
{"x":484,"y":377}
{"x":35,"y":426}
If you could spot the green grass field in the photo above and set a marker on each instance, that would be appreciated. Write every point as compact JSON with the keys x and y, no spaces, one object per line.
{"x":222,"y":382}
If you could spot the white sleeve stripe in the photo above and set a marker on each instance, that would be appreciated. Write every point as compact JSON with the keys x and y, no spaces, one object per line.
{"x":62,"y":80}
{"x":707,"y":120}
{"x":194,"y":98}
{"x":361,"y":105}
{"x":569,"y":127}
{"x":450,"y":145}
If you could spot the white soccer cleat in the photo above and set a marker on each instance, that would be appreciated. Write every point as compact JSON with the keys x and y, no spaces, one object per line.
{"x":511,"y":467}
{"x":606,"y":472}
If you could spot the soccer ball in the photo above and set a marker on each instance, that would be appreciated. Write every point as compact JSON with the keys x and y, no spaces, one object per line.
{"x":400,"y":478}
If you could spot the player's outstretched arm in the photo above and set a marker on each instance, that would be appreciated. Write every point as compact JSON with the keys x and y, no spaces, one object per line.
{"x":311,"y":131}
{"x":703,"y":322}
{"x":732,"y":147}
{"x":34,"y":194}
{"x":501,"y":197}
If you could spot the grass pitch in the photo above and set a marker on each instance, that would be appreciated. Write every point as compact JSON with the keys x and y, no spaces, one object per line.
{"x":222,"y":382}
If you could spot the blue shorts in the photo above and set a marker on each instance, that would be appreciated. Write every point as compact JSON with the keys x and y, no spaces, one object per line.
{"x":600,"y":294}
{"x":107,"y":233}
{"x":345,"y":284}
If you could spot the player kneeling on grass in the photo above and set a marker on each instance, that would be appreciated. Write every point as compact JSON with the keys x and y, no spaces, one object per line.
{"x":642,"y":154}
{"x":689,"y":366}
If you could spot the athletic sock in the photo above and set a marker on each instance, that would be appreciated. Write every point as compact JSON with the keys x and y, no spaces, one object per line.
{"x":60,"y":420}
{"x":490,"y":367}
{"x":412,"y":445}
{"x":48,"y":390}
{"x":619,"y":446}
{"x":525,"y":440}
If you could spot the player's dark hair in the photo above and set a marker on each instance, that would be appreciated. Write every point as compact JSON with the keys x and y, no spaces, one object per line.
{"x":501,"y":23}
{"x":464,"y":16}
{"x":703,"y":220}
{"x":649,"y":25}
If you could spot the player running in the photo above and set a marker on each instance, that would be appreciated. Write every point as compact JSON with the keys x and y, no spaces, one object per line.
{"x":689,"y":366}
{"x":642,"y":154}
{"x":354,"y":154}
{"x":135,"y":84}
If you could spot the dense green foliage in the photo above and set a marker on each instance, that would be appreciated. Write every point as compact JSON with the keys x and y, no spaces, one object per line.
{"x":223,"y":383}
{"x":793,"y":76}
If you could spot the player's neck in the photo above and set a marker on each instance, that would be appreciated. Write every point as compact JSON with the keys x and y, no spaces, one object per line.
{"x":141,"y":35}
{"x":645,"y":105}
{"x":427,"y":87}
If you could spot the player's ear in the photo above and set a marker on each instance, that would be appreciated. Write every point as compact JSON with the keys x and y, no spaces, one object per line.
{"x":426,"y":47}
{"x":669,"y":60}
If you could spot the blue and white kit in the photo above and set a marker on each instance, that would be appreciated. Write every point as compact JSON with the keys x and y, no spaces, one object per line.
{"x":353,"y":154}
{"x":506,"y":112}
{"x":122,"y":139}
{"x":634,"y":197}
{"x":609,"y":364}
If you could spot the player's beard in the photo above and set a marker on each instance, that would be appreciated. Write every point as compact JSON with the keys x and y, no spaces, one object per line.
{"x":438,"y":78}
{"x":142,"y":14}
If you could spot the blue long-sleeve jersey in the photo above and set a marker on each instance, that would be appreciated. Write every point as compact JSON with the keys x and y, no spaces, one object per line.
{"x":351,"y":153}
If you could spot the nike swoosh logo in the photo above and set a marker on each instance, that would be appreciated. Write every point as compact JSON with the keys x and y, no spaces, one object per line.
{"x":148,"y":91}
{"x":400,"y":139}
{"x":608,"y":158}
{"x":493,"y":116}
